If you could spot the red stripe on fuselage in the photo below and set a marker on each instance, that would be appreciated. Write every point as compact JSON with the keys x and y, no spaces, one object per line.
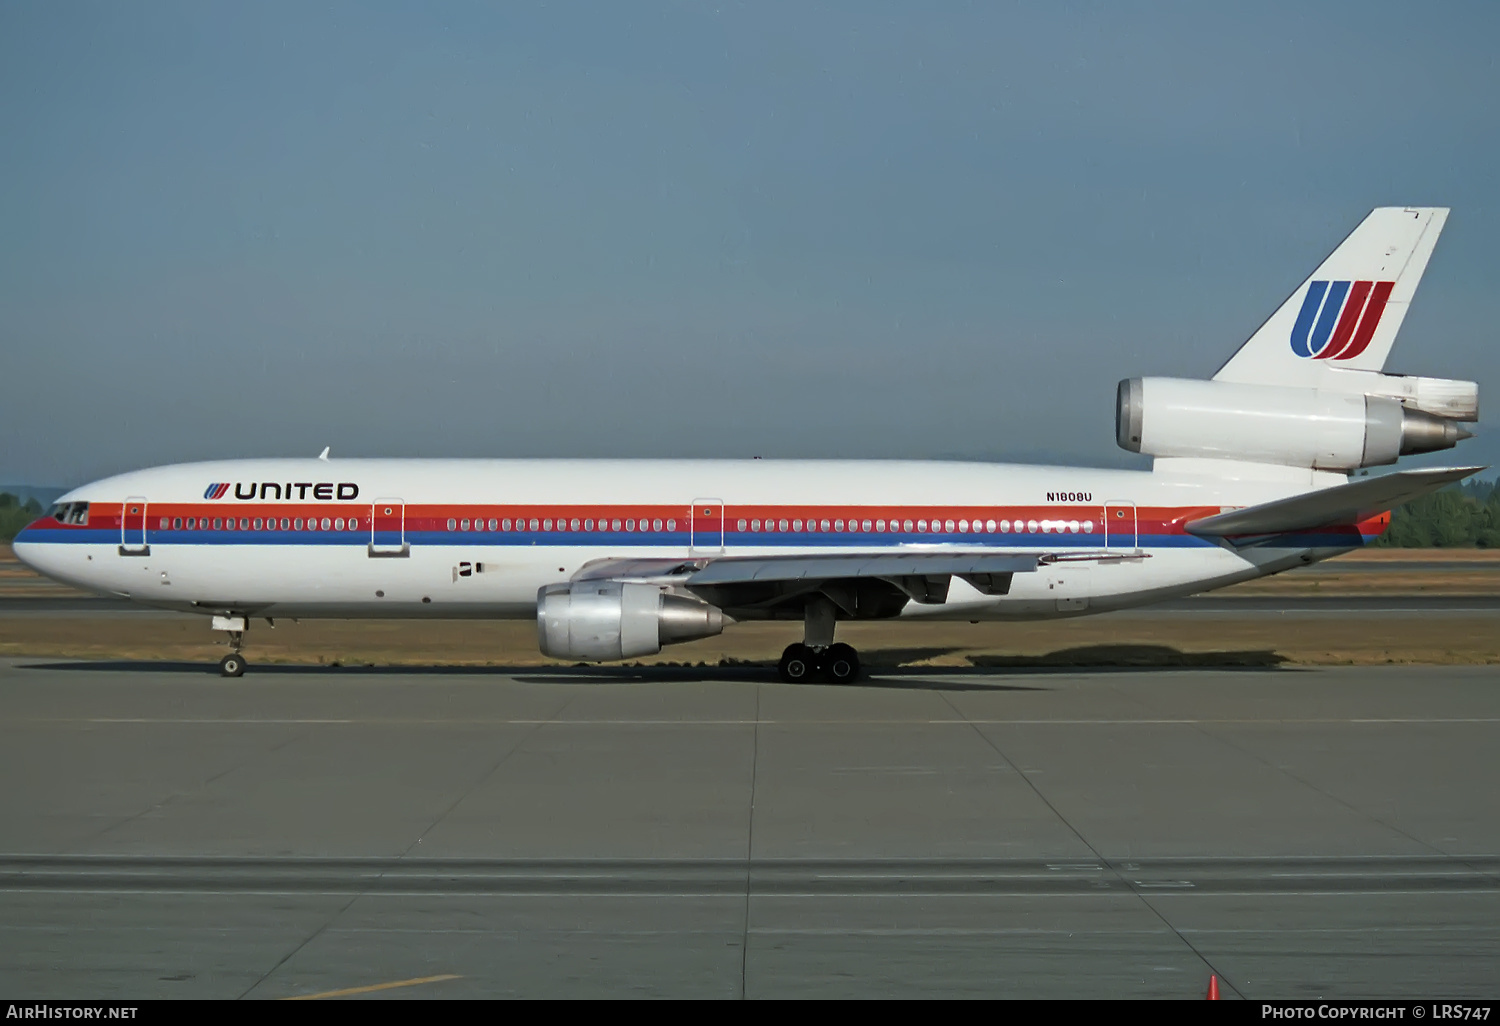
{"x":1149,"y":520}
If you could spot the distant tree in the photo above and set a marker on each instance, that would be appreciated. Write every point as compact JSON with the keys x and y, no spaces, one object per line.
{"x":1463,"y":516}
{"x":15,"y":514}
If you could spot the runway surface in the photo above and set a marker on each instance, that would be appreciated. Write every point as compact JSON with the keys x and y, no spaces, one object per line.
{"x":675,"y":832}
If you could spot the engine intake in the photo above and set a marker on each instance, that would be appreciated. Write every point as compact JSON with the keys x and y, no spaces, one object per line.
{"x":599,"y":621}
{"x":1297,"y":427}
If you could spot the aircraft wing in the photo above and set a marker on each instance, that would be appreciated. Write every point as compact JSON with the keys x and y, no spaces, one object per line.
{"x":861,"y":584}
{"x":1340,"y":505}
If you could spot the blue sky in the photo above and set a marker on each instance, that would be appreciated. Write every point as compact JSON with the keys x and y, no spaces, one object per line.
{"x":676,"y":229}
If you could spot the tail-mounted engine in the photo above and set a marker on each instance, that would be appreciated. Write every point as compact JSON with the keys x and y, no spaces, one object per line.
{"x":598,"y":621}
{"x":1297,"y":427}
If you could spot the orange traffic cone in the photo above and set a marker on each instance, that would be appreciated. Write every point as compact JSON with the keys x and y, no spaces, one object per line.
{"x":1213,"y":987}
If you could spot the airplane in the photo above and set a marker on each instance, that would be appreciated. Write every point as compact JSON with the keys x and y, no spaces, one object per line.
{"x":1255,"y":471}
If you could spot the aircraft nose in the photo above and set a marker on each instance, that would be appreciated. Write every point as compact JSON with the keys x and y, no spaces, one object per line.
{"x":26,"y":545}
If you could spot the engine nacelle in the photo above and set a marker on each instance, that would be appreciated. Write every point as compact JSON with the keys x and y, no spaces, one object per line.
{"x":599,"y":621}
{"x":1296,"y":427}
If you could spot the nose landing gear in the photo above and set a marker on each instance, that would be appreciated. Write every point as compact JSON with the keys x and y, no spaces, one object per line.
{"x":818,"y":655}
{"x":232,"y":665}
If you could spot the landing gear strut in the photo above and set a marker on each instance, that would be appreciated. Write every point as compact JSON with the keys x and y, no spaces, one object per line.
{"x":232,"y":665}
{"x":818,"y":655}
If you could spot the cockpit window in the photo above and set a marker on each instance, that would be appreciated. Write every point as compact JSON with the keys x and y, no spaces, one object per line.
{"x":70,"y":513}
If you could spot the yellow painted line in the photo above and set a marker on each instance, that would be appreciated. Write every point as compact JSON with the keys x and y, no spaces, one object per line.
{"x":373,"y":987}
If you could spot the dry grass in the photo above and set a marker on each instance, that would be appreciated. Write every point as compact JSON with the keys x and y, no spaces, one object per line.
{"x":1114,"y":640}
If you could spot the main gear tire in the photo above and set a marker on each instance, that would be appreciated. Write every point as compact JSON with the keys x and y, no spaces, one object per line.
{"x":798,"y":664}
{"x":841,"y":664}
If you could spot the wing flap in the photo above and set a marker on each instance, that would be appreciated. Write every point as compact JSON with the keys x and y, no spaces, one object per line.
{"x":1340,"y":505}
{"x":760,"y":569}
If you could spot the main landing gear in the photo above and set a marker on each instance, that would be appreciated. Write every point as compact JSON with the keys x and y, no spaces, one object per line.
{"x":818,"y":657}
{"x":838,"y":664}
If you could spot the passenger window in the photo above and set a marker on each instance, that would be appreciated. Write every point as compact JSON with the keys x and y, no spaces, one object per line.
{"x":671,"y":525}
{"x":164,"y":523}
{"x":176,"y":523}
{"x":866,"y":526}
{"x":494,"y":523}
{"x":796,"y":525}
{"x":464,"y":524}
{"x":218,"y":523}
{"x":754,"y":525}
{"x":256,"y":523}
{"x":656,"y":525}
{"x":452,"y":524}
{"x":535,"y":524}
{"x":614,"y":525}
{"x":630,"y":525}
{"x":297,"y":524}
{"x":744,"y":525}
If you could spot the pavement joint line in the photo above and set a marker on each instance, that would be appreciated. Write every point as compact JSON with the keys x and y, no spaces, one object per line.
{"x":1127,"y":891}
{"x":1112,"y":867}
{"x":349,"y":991}
{"x":1099,"y":721}
{"x":364,"y":890}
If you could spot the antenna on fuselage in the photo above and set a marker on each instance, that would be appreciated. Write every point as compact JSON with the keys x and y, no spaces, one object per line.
{"x":324,"y":454}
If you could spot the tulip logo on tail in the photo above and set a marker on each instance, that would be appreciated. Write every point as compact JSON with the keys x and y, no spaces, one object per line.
{"x":1339,"y":318}
{"x":215,"y":491}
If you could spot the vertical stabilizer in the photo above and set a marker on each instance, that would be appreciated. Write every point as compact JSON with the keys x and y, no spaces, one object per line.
{"x":1347,"y":314}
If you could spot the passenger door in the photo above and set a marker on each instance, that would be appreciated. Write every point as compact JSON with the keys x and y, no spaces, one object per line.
{"x":1120,"y":525}
{"x":133,"y":527}
{"x":388,"y":528}
{"x":706,"y":527}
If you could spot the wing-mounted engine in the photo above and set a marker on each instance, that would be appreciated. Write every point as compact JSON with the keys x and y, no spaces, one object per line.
{"x":1324,"y":429}
{"x":600,"y":620}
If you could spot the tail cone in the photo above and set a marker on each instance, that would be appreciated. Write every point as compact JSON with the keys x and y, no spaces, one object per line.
{"x":1213,"y":987}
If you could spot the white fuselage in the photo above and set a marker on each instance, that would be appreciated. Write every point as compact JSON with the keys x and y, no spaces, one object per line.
{"x":478,"y":538}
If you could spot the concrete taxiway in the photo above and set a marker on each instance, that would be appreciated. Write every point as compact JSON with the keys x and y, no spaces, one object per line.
{"x":675,"y":832}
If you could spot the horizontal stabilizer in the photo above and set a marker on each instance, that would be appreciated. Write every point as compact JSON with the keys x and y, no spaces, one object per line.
{"x":1342,"y":504}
